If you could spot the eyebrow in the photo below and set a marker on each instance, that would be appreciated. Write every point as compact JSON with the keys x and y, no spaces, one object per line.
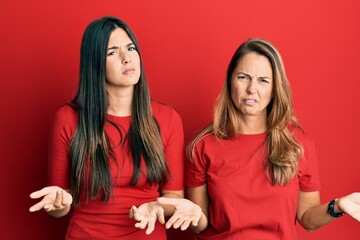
{"x":244,"y":74}
{"x":117,"y":47}
{"x":251,"y":76}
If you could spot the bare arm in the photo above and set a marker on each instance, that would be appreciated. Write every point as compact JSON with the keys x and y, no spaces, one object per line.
{"x":199,"y":196}
{"x":312,"y":215}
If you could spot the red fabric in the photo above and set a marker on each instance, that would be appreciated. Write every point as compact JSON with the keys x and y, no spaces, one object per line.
{"x":96,"y":220}
{"x":243,"y":203}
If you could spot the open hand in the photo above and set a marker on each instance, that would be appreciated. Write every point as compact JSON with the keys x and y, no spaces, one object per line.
{"x":186,"y":213}
{"x":350,"y":204}
{"x":54,"y":198}
{"x":146,"y":215}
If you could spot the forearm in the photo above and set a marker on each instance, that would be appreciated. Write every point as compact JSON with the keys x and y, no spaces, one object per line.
{"x":317,"y":217}
{"x":199,"y":196}
{"x":202,"y":224}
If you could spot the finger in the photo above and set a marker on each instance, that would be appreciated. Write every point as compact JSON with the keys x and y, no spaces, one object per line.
{"x":41,"y":193}
{"x":195,"y":222}
{"x":58,"y":199}
{"x":151,"y":226}
{"x":171,"y":221}
{"x":132,"y":212}
{"x":178,"y":223}
{"x":49,"y":207}
{"x":137,"y":215}
{"x":160,"y":215}
{"x":38,"y":206}
{"x":66,"y":199}
{"x":142,"y":224}
{"x":185,"y":225}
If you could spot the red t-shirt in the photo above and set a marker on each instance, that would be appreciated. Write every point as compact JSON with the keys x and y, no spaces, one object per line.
{"x":98,"y":220}
{"x":243,"y":203}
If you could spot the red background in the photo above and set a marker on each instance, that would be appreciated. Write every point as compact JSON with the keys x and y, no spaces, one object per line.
{"x":186,"y":47}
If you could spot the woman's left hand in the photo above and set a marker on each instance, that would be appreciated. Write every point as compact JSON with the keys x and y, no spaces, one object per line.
{"x":186,"y":213}
{"x":146,"y":215}
{"x":350,"y":205}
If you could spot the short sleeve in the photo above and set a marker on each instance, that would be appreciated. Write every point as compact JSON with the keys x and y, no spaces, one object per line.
{"x":196,"y":168}
{"x":308,"y":173}
{"x":61,"y":131}
{"x":173,"y":137}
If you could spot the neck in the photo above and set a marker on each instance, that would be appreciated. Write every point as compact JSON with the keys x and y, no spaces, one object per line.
{"x":120,"y":101}
{"x":252,"y":125}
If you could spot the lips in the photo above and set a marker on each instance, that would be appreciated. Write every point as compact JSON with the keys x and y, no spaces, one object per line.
{"x":249,"y":101}
{"x":128,"y":71}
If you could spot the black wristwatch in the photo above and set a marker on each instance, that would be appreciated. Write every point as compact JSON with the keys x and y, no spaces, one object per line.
{"x":330,"y":209}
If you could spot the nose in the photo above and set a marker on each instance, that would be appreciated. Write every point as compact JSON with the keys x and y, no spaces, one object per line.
{"x":251,"y":88}
{"x":126,"y":59}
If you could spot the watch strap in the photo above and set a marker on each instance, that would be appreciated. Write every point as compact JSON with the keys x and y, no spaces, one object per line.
{"x":330,"y":209}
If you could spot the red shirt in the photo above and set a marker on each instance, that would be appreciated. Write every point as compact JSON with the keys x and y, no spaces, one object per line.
{"x":98,"y":220}
{"x":243,"y":203}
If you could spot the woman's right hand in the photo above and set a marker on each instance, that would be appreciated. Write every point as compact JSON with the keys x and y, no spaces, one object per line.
{"x":56,"y":201}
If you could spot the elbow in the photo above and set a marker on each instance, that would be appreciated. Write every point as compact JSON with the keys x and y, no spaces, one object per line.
{"x":309,"y":228}
{"x":198,"y":229}
{"x":195,"y":229}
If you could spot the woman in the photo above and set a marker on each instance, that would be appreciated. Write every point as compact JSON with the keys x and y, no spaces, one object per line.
{"x":253,"y":171}
{"x":112,"y":147}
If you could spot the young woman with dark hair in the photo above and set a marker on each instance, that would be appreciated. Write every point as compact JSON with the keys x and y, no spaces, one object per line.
{"x":113,"y":150}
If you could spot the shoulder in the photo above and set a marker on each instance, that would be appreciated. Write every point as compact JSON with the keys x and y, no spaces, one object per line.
{"x":164,"y":113}
{"x":207,"y":142}
{"x":66,"y":115}
{"x":209,"y":138}
{"x":302,"y":136}
{"x":66,"y":109}
{"x":309,"y":157}
{"x":159,"y":108}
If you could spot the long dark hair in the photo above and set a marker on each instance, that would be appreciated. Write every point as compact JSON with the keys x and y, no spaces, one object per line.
{"x":90,"y":149}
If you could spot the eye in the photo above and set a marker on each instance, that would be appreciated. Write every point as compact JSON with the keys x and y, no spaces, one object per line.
{"x":111,"y":53}
{"x":265,"y":80}
{"x":242,"y":77}
{"x":132,"y":48}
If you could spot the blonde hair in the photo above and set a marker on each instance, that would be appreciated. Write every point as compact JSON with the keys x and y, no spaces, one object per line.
{"x":283,"y":148}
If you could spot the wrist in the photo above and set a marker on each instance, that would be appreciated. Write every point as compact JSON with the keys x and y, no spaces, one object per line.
{"x":334,"y":209}
{"x":337,"y":207}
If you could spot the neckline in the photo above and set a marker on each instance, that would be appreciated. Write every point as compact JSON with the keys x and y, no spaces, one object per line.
{"x":114,"y":117}
{"x":257,"y":136}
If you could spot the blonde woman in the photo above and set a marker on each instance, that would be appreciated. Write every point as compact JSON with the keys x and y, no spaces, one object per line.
{"x":253,"y":171}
